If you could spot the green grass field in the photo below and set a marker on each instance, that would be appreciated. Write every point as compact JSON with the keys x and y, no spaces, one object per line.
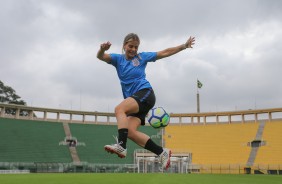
{"x":138,"y":179}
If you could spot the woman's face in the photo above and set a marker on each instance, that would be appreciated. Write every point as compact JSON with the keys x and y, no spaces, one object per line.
{"x":131,"y":48}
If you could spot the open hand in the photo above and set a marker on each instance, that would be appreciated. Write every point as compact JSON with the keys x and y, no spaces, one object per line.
{"x":190,"y":42}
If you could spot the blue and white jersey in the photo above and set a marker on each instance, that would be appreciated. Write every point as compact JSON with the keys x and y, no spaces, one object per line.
{"x":131,"y":73}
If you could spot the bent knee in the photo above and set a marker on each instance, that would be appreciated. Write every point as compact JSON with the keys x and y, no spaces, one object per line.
{"x":119,"y":110}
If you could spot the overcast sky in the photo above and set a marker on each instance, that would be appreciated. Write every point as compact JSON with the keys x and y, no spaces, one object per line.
{"x":48,"y":52}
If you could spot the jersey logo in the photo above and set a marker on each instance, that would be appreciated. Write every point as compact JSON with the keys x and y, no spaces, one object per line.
{"x":135,"y":62}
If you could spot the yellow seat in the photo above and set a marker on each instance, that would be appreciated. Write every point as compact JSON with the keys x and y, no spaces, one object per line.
{"x":214,"y":143}
{"x":271,"y":153}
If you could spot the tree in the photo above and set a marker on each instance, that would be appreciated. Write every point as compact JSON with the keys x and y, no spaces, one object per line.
{"x":8,"y":95}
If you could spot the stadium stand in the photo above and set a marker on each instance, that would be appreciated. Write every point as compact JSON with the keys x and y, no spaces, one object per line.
{"x":38,"y":141}
{"x":31,"y":141}
{"x":213,"y":143}
{"x":271,"y":152}
{"x":53,"y":140}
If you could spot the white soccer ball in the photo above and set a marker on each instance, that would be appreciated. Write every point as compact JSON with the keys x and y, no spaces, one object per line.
{"x":158,"y":117}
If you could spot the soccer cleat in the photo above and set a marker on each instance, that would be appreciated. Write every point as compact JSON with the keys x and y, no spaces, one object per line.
{"x":165,"y":158}
{"x":116,"y":148}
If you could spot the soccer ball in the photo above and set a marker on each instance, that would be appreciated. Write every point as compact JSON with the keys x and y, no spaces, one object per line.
{"x":158,"y":117}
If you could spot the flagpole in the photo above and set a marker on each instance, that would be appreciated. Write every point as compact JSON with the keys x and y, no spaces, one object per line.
{"x":198,"y":101}
{"x":199,"y":85}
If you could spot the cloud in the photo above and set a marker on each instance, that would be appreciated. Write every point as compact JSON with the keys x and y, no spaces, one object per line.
{"x":48,"y":52}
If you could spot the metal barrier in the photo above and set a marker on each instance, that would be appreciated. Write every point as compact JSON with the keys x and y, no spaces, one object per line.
{"x":151,"y":166}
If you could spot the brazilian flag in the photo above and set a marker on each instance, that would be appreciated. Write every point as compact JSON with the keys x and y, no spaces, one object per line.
{"x":199,"y":84}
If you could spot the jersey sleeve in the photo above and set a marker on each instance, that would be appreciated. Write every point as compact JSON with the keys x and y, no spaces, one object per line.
{"x":114,"y":59}
{"x":149,"y":56}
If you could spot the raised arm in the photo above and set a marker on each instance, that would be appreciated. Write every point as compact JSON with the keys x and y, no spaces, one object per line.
{"x":101,"y":53}
{"x":173,"y":50}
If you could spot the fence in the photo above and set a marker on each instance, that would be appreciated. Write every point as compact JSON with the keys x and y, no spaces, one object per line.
{"x":151,"y":167}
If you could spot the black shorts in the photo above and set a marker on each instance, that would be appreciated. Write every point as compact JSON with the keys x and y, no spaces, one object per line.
{"x":146,"y":100}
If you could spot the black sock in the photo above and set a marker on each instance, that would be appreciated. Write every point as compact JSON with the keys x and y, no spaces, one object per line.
{"x":151,"y":146}
{"x":122,"y":137}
